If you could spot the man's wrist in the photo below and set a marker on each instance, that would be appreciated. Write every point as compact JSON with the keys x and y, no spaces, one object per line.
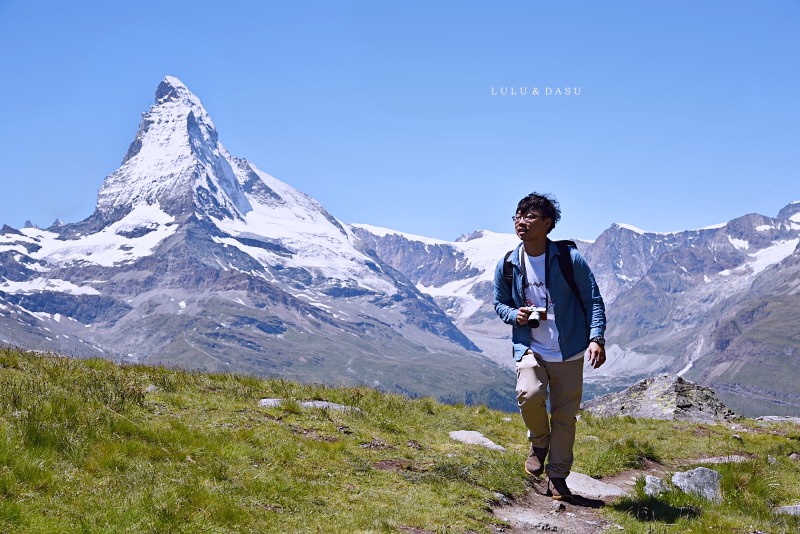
{"x":600,"y":340}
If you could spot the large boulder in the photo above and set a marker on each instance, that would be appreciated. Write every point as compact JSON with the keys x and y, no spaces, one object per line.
{"x":667,"y":397}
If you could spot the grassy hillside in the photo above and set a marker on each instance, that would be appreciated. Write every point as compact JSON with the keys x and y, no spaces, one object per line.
{"x":88,"y":446}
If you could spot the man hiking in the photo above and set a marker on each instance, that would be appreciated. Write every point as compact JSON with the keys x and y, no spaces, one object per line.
{"x":547,"y":292}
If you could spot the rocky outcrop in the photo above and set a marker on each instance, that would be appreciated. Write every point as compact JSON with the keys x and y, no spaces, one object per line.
{"x":663,"y":397}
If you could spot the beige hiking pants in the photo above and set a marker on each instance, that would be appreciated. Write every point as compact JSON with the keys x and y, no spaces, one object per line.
{"x":565,"y":383}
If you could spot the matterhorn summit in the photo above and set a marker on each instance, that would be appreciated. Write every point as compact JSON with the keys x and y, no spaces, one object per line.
{"x":175,"y":161}
{"x":198,"y":259}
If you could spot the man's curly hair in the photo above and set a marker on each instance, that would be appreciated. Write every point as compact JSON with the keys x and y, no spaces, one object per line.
{"x":544,"y":203}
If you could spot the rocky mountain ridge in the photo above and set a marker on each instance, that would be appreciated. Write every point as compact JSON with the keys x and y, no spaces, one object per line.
{"x":702,"y":291}
{"x":666,"y":397}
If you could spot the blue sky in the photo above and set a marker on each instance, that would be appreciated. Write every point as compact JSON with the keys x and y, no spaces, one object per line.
{"x":687,"y":116}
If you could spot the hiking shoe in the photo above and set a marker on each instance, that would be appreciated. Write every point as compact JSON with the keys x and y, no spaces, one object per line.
{"x":558,"y":489}
{"x":534,"y":465}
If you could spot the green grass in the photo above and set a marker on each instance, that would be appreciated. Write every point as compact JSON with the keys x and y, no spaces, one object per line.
{"x":89,"y":446}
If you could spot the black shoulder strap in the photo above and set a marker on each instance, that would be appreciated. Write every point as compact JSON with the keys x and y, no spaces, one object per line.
{"x":567,"y":270}
{"x":508,"y":270}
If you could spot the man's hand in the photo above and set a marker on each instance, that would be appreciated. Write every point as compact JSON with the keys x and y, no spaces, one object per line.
{"x":522,"y":315}
{"x":596,"y":354}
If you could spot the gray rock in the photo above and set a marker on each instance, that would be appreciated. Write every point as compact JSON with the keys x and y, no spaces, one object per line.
{"x":667,"y":397}
{"x":731,"y":459}
{"x":654,"y":486}
{"x":270,"y":403}
{"x":275,"y":403}
{"x":544,"y":526}
{"x":701,"y":481}
{"x":329,"y":406}
{"x":502,"y":499}
{"x":591,"y":487}
{"x":778,"y":419}
{"x":473,"y":437}
{"x":788,"y":510}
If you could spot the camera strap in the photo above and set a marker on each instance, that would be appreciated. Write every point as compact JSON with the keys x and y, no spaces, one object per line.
{"x":523,"y":262}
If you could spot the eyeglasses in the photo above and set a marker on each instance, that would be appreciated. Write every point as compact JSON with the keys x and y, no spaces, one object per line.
{"x":528,"y":217}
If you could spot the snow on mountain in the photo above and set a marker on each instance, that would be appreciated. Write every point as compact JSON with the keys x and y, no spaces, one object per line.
{"x":38,"y":285}
{"x":474,"y":258}
{"x":126,"y":240}
{"x":482,"y":251}
{"x":383,"y":232}
{"x":482,"y":248}
{"x":630,"y":227}
{"x":175,"y":160}
{"x":317,"y":241}
{"x":772,"y":255}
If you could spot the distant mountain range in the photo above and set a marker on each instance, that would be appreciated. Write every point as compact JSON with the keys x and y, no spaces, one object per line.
{"x":720,"y":305}
{"x":198,"y":259}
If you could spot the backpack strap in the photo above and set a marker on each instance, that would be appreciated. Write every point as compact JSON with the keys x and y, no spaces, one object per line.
{"x":508,"y":271}
{"x":567,"y":269}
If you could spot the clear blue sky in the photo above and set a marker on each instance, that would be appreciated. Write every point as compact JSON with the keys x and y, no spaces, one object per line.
{"x":688,"y":113}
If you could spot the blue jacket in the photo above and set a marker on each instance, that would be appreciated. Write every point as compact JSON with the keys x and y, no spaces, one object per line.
{"x":574,"y":329}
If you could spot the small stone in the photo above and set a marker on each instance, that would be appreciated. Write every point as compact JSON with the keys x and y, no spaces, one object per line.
{"x":701,"y":481}
{"x":592,"y":488}
{"x":507,"y":419}
{"x":557,"y":506}
{"x":731,"y":459}
{"x":475,"y":438}
{"x":276,"y":403}
{"x":502,"y":499}
{"x":737,"y":437}
{"x":654,"y":486}
{"x":794,"y":456}
{"x":789,"y":510}
{"x":771,"y":459}
{"x":325,"y":405}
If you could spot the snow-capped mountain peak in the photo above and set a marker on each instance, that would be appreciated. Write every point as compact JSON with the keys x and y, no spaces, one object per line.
{"x":175,"y":160}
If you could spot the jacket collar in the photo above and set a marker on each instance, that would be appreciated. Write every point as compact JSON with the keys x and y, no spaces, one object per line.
{"x":516,"y":256}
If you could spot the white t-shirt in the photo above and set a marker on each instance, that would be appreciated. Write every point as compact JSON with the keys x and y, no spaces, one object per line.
{"x":544,"y":339}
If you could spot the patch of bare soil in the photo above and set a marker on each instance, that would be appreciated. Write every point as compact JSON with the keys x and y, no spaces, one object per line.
{"x":537,"y":512}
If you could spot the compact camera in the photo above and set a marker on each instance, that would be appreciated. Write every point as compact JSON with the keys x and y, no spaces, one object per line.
{"x":536,"y":316}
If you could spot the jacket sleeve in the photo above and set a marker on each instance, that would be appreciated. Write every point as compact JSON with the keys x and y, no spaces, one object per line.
{"x":590,"y":295}
{"x":503,"y":299}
